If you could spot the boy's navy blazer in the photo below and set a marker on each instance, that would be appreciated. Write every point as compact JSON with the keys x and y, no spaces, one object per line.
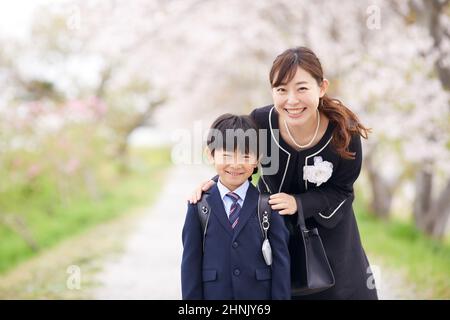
{"x":232,"y":265}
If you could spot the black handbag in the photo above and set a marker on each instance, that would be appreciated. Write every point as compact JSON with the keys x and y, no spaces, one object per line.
{"x":310,"y":269}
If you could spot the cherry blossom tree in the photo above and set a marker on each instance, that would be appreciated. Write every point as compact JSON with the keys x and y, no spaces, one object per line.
{"x":169,"y":63}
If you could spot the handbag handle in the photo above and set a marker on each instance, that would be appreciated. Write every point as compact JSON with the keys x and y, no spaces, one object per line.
{"x":301,"y":217}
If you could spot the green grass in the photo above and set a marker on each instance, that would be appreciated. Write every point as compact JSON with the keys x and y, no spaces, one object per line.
{"x":400,"y":245}
{"x":51,"y":220}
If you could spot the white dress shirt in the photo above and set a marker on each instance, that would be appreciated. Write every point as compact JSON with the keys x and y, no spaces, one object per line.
{"x":241,"y":191}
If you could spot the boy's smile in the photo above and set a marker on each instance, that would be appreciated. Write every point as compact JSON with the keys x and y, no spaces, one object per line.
{"x":234,"y":173}
{"x":233,"y":168}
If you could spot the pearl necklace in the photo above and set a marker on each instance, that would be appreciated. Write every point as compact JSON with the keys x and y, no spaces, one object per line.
{"x":313,"y":138}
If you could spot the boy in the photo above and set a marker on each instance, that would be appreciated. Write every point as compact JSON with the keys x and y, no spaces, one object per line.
{"x":230,"y":263}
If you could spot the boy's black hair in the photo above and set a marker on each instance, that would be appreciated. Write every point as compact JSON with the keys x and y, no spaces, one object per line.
{"x":231,"y":132}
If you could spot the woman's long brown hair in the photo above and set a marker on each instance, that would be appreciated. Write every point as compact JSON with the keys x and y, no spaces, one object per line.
{"x":347,"y":123}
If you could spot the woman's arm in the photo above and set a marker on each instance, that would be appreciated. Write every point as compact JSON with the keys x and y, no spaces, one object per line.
{"x":327,"y":203}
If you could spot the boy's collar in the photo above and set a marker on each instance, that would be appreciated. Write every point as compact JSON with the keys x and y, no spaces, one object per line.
{"x":241,"y":191}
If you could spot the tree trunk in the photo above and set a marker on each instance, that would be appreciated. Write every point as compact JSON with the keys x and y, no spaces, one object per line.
{"x":122,"y":155}
{"x":422,"y":201}
{"x":438,"y":32}
{"x":382,"y":191}
{"x":439,"y":214}
{"x":431,"y":216}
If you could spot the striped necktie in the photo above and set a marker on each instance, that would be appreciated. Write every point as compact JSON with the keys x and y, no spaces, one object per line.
{"x":235,"y":208}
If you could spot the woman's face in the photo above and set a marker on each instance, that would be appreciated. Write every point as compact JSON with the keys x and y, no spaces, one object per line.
{"x":297,"y":100}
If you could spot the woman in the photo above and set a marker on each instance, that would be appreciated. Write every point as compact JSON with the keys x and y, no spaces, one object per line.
{"x":319,"y":159}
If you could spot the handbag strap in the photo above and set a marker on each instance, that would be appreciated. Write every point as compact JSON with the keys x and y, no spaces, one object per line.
{"x":301,"y":217}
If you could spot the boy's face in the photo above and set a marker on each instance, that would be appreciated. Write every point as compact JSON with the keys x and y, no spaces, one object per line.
{"x":234,"y":168}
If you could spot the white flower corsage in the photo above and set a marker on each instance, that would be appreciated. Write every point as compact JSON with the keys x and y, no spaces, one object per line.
{"x":319,"y":173}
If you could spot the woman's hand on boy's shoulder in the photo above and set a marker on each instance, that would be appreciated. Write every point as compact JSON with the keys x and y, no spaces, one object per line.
{"x":204,"y":186}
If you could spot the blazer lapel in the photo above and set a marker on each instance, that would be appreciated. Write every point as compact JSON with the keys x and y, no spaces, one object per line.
{"x":248,"y":208}
{"x":218,"y":209}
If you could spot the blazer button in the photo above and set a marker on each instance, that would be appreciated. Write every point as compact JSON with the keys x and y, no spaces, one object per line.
{"x":235,"y":245}
{"x":237,"y":272}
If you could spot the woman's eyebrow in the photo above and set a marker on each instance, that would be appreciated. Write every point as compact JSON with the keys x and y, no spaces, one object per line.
{"x":297,"y":83}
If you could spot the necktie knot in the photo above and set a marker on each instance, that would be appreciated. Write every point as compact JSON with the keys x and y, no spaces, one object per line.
{"x":233,"y":196}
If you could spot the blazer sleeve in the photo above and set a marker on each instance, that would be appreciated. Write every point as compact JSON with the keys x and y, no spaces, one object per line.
{"x":281,"y":271}
{"x":327,"y":203}
{"x":191,"y":264}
